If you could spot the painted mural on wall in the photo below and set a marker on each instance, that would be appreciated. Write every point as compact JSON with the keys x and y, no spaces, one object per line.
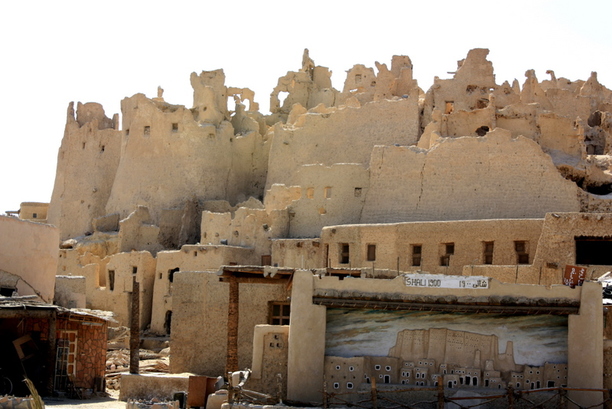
{"x":461,"y":350}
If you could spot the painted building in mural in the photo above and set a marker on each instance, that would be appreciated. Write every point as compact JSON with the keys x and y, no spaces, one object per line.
{"x":379,"y":179}
{"x":359,"y":331}
{"x":425,"y":357}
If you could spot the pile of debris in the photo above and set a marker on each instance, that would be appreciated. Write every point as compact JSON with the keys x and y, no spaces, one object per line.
{"x":10,"y":402}
{"x":118,"y":358}
{"x":152,"y":404}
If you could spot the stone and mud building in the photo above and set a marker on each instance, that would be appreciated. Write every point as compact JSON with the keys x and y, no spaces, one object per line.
{"x":343,"y":199}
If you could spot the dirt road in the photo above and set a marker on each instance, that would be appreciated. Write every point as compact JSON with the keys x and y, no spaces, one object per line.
{"x":110,"y":402}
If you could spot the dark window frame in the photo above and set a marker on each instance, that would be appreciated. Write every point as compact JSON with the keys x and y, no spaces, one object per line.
{"x":279,"y":313}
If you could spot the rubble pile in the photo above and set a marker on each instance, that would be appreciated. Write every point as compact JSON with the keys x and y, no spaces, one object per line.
{"x":118,"y":358}
{"x":11,"y":402}
{"x":152,"y":404}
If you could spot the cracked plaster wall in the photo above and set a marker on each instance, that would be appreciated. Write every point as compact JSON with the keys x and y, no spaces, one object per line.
{"x":495,"y":176}
{"x":345,"y":135}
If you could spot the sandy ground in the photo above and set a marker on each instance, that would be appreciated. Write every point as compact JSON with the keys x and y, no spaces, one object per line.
{"x":110,"y":402}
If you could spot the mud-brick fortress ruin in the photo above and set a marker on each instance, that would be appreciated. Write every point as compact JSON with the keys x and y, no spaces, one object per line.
{"x":334,"y":197}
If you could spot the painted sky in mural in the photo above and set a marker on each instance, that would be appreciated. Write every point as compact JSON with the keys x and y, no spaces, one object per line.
{"x":537,"y":338}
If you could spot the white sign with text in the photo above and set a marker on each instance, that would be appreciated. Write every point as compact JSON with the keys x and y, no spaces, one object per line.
{"x":444,"y":281}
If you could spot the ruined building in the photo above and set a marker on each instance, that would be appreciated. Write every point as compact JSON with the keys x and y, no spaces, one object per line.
{"x":471,"y":178}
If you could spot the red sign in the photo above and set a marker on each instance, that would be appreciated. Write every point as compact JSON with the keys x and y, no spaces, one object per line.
{"x":574,"y":275}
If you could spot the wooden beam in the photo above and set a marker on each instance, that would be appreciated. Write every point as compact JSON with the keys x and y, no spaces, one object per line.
{"x":469,"y":308}
{"x":27,"y":313}
{"x":135,"y":327}
{"x":255,"y":280}
{"x":231,"y":363}
{"x":50,"y":360}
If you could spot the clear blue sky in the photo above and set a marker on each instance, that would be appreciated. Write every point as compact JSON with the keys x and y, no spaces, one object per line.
{"x":93,"y":51}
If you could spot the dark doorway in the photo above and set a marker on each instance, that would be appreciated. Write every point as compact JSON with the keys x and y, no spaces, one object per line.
{"x":594,"y":250}
{"x":171,"y":274}
{"x":168,"y":322}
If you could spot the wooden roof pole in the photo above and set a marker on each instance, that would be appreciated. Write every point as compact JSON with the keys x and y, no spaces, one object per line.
{"x":231,"y":363}
{"x":135,"y":327}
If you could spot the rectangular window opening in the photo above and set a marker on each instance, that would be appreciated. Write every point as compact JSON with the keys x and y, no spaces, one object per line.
{"x":328,"y":192}
{"x":111,"y":280}
{"x":266,"y":260}
{"x":279,"y":313}
{"x":371,"y":252}
{"x":450,"y":249}
{"x":522,"y":252}
{"x":357,"y":192}
{"x":147,"y":130}
{"x":417,"y":250}
{"x":174,"y":127}
{"x":488,"y":252}
{"x":344,"y":253}
{"x":449,"y":108}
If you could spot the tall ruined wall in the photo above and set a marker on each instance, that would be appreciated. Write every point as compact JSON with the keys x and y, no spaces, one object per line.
{"x":165,"y":156}
{"x":345,"y":135}
{"x":309,"y":87}
{"x":330,"y":195}
{"x":466,"y":178}
{"x":467,"y":90}
{"x":86,"y":166}
{"x":168,"y":156}
{"x":28,"y":257}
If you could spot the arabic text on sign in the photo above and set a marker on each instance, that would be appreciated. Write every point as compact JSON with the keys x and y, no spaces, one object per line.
{"x":445,"y":281}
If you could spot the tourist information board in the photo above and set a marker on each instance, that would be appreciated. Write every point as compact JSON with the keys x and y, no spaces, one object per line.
{"x":574,"y":275}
